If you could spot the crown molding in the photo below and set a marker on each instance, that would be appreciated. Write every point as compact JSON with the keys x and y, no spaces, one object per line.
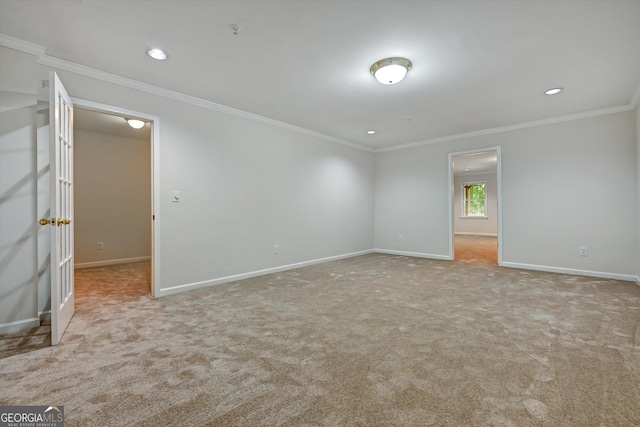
{"x":21,"y":45}
{"x":44,"y":59}
{"x":83,"y":70}
{"x":551,"y":120}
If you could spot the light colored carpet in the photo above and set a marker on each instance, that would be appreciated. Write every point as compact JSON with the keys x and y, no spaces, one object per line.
{"x":375,"y":340}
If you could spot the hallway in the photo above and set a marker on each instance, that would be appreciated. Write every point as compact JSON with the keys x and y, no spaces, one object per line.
{"x":476,"y":249}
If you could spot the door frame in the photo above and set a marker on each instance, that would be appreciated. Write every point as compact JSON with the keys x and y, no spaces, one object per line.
{"x":498,"y":150}
{"x":155,"y":177}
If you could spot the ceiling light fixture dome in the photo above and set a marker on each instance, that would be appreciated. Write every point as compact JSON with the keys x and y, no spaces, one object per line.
{"x":390,"y":71}
{"x":157,"y":54}
{"x":135,"y":123}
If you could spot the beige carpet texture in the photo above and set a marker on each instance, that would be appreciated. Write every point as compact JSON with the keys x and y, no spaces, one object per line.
{"x":374,"y":340}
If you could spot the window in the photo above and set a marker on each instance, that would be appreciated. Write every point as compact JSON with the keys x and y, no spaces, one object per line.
{"x":474,"y":199}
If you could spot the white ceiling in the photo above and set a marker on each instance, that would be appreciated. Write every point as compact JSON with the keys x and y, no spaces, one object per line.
{"x":475,"y":163}
{"x":108,"y":124}
{"x":476,"y":64}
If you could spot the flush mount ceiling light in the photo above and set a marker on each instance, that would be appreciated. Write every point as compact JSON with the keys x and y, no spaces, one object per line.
{"x":553,"y":91}
{"x":136,"y":124}
{"x":157,"y":54}
{"x":390,"y":71}
{"x":371,"y":132}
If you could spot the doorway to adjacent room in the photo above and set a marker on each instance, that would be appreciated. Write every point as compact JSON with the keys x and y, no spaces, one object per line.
{"x":475,"y":206}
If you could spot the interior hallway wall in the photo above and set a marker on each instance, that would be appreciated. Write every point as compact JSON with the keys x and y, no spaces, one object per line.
{"x":18,"y":185}
{"x":245,"y":186}
{"x":112,"y":198}
{"x":565,"y":185}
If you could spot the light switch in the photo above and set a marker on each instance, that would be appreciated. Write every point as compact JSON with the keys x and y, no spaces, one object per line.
{"x":176,"y":197}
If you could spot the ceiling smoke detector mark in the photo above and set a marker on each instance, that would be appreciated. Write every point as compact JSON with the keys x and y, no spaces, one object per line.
{"x":235,"y":28}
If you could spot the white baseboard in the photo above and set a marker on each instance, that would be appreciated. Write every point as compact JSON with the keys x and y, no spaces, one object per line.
{"x":638,"y":280}
{"x":111,"y":262}
{"x":462,"y":233}
{"x":206,"y":283}
{"x":44,"y":315}
{"x":19,"y":325}
{"x":571,"y":271}
{"x":413,"y":254}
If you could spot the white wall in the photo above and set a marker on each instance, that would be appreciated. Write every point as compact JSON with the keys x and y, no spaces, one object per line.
{"x":565,"y":185}
{"x":476,"y":226}
{"x":112,"y":180}
{"x":638,"y":173}
{"x":245,"y":186}
{"x":43,"y":209}
{"x":18,"y":178}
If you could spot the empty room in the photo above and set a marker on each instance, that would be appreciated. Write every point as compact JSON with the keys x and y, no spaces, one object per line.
{"x":320,"y":213}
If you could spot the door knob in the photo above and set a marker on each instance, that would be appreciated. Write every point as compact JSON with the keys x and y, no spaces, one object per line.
{"x":55,"y":221}
{"x":60,"y":221}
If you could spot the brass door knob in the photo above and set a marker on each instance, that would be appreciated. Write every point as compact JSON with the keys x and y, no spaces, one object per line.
{"x":55,"y":221}
{"x":60,"y":221}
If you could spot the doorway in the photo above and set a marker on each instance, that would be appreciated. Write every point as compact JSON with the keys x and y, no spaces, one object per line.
{"x":475,"y":208}
{"x":112,"y":191}
{"x":44,"y":201}
{"x":121,"y":170}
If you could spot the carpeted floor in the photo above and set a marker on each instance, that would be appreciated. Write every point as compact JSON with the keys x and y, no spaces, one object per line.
{"x":367,"y":341}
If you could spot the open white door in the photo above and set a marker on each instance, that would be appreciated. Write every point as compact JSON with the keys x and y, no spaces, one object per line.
{"x":61,"y":221}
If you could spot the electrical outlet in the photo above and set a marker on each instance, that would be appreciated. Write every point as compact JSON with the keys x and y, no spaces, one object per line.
{"x":100,"y":246}
{"x":400,"y":238}
{"x":276,"y":249}
{"x":584,"y":251}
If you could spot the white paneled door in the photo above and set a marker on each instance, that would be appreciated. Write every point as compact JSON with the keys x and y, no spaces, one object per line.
{"x":61,"y":221}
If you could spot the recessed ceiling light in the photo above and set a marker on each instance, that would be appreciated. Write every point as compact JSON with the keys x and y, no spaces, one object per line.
{"x":390,"y":71}
{"x":466,"y":169}
{"x":371,"y":132}
{"x":136,"y":124}
{"x":157,"y":54}
{"x":553,"y":91}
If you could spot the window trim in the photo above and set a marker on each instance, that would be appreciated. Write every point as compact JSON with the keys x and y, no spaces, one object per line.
{"x":463,"y":199}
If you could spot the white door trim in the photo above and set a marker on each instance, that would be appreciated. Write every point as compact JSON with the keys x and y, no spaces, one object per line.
{"x":155,"y":177}
{"x":498,"y":150}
